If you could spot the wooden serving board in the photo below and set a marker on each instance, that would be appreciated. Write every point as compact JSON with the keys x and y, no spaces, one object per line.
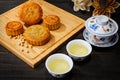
{"x":70,"y":25}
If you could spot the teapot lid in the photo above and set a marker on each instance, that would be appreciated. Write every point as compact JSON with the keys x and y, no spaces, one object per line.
{"x":101,"y":25}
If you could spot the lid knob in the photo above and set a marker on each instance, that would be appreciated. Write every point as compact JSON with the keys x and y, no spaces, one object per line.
{"x":102,"y":20}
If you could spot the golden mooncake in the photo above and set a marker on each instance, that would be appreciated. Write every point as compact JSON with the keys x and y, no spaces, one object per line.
{"x":37,"y":35}
{"x":30,"y":13}
{"x":52,"y":22}
{"x":14,"y":28}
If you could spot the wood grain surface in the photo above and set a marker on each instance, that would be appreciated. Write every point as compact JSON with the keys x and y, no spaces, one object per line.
{"x":70,"y":25}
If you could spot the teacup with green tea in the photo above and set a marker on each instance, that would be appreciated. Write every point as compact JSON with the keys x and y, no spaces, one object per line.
{"x":59,"y":65}
{"x":78,"y":49}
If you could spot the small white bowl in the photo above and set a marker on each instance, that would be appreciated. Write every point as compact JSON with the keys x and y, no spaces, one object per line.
{"x":59,"y":65}
{"x":78,"y":49}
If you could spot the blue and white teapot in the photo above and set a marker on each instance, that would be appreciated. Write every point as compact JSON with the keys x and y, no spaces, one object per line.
{"x":101,"y":31}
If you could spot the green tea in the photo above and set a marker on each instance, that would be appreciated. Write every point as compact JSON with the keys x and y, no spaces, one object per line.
{"x":58,"y":65}
{"x":78,"y":49}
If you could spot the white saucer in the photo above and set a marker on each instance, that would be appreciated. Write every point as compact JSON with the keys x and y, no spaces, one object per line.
{"x":113,"y":41}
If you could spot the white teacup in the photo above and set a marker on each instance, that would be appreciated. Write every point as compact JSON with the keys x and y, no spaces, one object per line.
{"x":59,"y":65}
{"x":101,"y":31}
{"x":78,"y":49}
{"x":96,"y":39}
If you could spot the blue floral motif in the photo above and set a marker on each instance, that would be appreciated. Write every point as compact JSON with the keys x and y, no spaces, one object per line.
{"x":86,"y":33}
{"x":94,"y":27}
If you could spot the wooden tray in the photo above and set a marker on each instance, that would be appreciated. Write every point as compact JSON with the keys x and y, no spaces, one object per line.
{"x":34,"y":55}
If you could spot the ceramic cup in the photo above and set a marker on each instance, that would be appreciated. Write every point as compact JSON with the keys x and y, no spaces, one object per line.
{"x":98,"y":39}
{"x":101,"y":31}
{"x":78,"y":49}
{"x":59,"y":65}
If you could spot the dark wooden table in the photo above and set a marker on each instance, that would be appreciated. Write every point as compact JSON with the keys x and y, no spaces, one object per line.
{"x":103,"y":64}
